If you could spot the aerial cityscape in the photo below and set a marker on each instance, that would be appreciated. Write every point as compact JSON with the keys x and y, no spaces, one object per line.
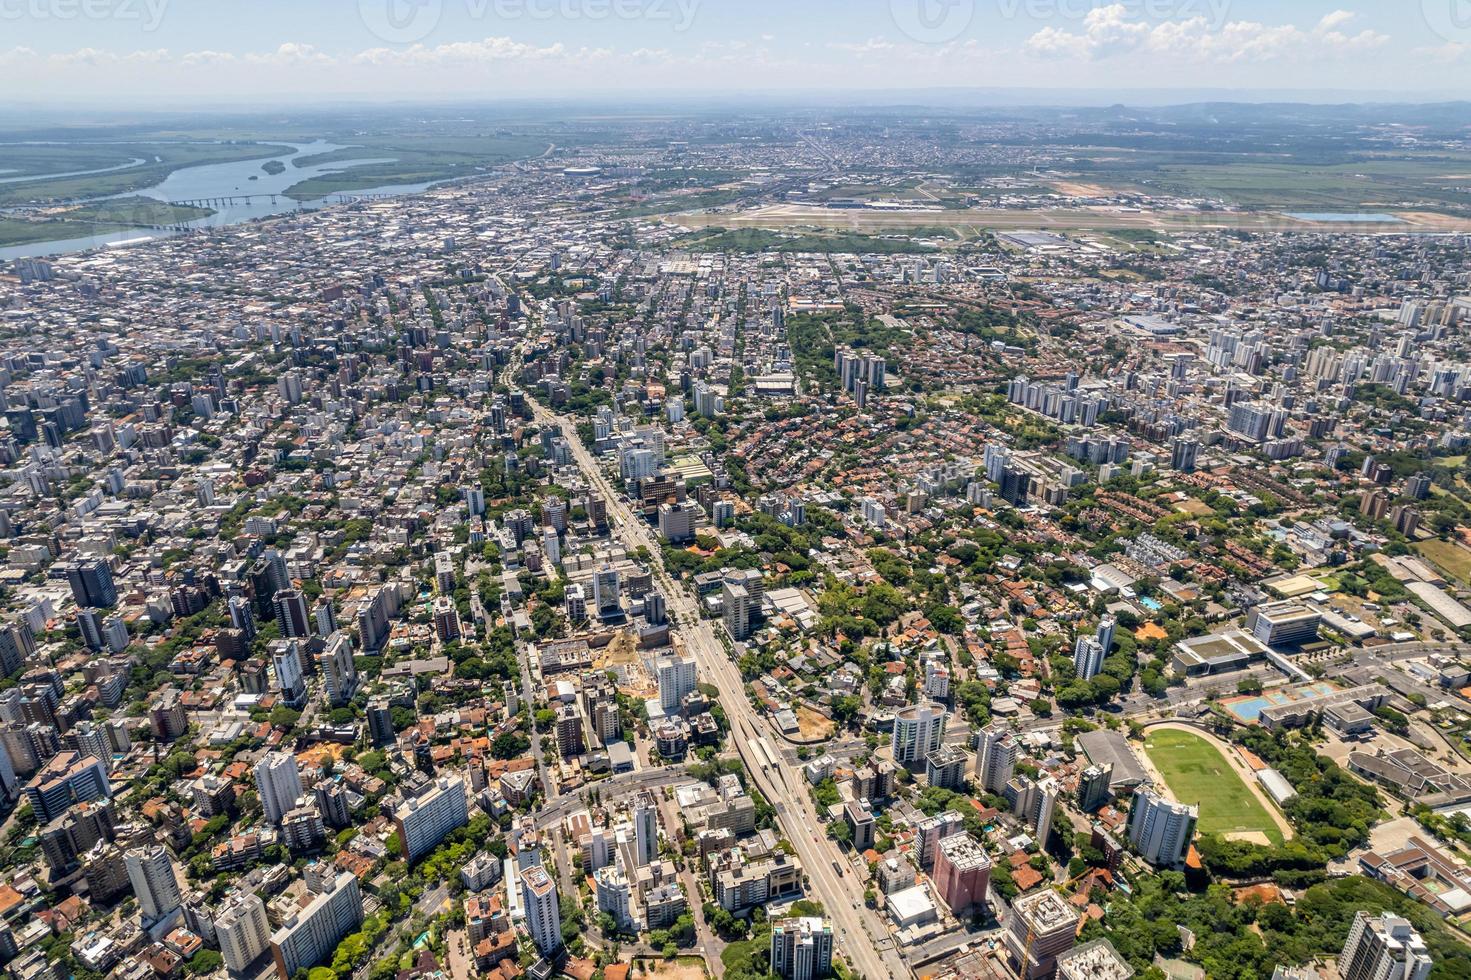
{"x":488,"y":511}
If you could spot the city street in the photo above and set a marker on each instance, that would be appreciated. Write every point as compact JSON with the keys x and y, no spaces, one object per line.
{"x":860,"y":938}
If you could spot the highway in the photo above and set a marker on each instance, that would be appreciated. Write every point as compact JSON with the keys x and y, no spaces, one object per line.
{"x":858,"y":935}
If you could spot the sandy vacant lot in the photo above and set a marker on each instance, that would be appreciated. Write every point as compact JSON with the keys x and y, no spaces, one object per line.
{"x":683,"y":968}
{"x":813,"y":725}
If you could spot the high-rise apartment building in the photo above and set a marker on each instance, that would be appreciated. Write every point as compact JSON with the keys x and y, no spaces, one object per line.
{"x":995,"y":759}
{"x":290,"y":679}
{"x":1384,"y":947}
{"x":278,"y":783}
{"x":339,"y":674}
{"x":646,"y":829}
{"x":67,"y":778}
{"x":1161,"y":829}
{"x":677,"y":677}
{"x":543,"y":913}
{"x":918,"y":730}
{"x":962,"y":874}
{"x":1087,"y":658}
{"x":152,"y":875}
{"x":423,"y":821}
{"x":1095,"y":787}
{"x":1039,"y":928}
{"x":801,"y":948}
{"x":291,"y":613}
{"x":243,"y":932}
{"x":736,"y":610}
{"x":311,"y":935}
{"x":91,"y":583}
{"x":1036,"y":801}
{"x":17,"y":646}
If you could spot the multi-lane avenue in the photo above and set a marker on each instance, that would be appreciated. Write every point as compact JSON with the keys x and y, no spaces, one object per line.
{"x":860,"y":937}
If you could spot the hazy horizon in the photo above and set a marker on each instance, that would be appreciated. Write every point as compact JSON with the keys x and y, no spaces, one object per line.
{"x":955,"y":98}
{"x":166,"y":52}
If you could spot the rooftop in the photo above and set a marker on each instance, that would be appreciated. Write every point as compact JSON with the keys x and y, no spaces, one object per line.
{"x":1097,"y":960}
{"x":1045,"y":911}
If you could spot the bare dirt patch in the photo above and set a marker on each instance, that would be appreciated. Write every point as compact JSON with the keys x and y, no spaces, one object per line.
{"x":1078,"y":189}
{"x":813,"y":725}
{"x":684,"y":968}
{"x":621,"y":654}
{"x":621,"y":651}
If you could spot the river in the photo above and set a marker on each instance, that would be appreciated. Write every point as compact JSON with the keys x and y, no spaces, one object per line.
{"x":226,"y":183}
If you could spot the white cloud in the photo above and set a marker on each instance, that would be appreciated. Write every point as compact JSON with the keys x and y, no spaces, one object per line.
{"x":874,"y":45}
{"x":84,"y":56}
{"x":292,"y":53}
{"x":1107,"y":32}
{"x":1446,"y":54}
{"x":1109,"y":46}
{"x":196,"y":58}
{"x":918,"y":58}
{"x":491,"y":50}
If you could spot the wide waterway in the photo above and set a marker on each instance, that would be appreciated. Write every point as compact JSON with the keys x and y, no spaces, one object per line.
{"x":238,"y":197}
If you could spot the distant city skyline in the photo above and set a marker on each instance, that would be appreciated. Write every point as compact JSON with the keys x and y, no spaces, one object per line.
{"x":177,"y":52}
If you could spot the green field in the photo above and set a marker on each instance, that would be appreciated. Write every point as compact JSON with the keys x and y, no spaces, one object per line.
{"x":667,"y":204}
{"x":1197,"y":773}
{"x":411,"y":161}
{"x":1369,"y":184}
{"x":99,"y":218}
{"x":1450,"y":558}
{"x":26,"y":160}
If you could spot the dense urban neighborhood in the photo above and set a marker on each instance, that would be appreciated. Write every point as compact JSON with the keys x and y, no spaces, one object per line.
{"x":693,"y":554}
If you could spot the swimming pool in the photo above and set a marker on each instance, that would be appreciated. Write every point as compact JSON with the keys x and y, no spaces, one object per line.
{"x":1249,"y":709}
{"x":1153,"y":605}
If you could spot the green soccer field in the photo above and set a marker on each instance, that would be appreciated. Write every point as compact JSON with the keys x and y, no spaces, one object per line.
{"x":1197,"y":773}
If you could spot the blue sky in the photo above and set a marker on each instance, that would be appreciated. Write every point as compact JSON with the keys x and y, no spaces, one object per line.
{"x":202,"y":50}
